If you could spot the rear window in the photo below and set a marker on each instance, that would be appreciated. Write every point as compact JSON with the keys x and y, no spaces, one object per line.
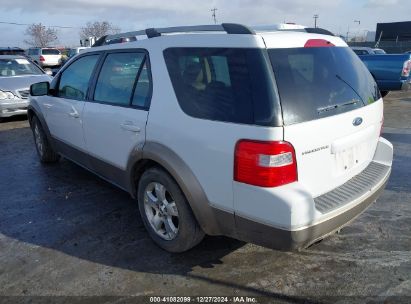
{"x":50,"y":52}
{"x":379,"y":52}
{"x":33,"y":51}
{"x":318,"y":82}
{"x":222,"y":84}
{"x":361,"y":52}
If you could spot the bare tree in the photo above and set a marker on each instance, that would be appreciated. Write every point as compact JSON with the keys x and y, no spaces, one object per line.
{"x":40,"y":35}
{"x":98,"y":29}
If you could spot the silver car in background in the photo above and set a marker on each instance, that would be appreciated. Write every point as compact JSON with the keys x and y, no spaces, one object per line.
{"x":17,"y":73}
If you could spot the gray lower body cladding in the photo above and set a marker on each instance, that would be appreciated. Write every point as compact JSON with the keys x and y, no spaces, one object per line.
{"x":276,"y":238}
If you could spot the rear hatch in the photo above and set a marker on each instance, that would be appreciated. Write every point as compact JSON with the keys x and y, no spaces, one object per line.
{"x":51,"y":56}
{"x":330,"y":112}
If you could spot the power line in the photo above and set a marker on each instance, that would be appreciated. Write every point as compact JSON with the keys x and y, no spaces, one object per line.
{"x":26,"y":24}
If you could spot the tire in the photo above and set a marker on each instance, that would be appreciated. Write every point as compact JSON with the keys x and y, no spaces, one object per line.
{"x":165,"y":212}
{"x":384,"y":93}
{"x":43,"y":147}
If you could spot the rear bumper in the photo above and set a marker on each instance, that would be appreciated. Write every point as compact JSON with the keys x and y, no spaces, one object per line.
{"x":15,"y":107}
{"x":289,"y":240}
{"x":50,"y":64}
{"x":342,"y":210}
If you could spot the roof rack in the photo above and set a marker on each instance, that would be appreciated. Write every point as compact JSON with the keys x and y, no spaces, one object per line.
{"x":229,"y":28}
{"x":285,"y":27}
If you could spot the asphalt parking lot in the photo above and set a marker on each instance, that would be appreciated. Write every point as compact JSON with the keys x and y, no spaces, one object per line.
{"x":65,"y":232}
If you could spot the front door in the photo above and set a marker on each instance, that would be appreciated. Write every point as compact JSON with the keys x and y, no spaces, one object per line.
{"x":65,"y":111}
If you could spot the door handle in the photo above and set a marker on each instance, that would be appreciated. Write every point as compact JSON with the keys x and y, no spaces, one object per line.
{"x":47,"y":105}
{"x":130,"y":127}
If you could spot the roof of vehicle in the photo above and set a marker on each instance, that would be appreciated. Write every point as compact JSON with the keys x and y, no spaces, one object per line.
{"x":13,"y":48}
{"x":12,"y":57}
{"x":361,"y":48}
{"x":274,"y":36}
{"x":47,"y":47}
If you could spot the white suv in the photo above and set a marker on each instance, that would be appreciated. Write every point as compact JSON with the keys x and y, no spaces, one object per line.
{"x":45,"y":57}
{"x":269,"y":137}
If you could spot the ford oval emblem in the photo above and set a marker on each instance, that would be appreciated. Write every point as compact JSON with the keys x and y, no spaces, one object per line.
{"x":357,"y":121}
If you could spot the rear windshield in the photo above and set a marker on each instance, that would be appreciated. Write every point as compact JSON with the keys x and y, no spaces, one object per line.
{"x":223,"y":84}
{"x":50,"y":52}
{"x":319,"y":82}
{"x":18,"y":67}
{"x":379,"y":52}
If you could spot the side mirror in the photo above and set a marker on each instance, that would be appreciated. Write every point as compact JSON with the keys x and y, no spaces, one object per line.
{"x":40,"y":88}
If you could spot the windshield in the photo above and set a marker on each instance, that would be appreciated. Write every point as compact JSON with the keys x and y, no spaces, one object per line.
{"x":318,"y":82}
{"x":18,"y":67}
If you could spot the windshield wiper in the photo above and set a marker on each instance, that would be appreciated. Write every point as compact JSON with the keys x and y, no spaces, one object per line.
{"x":339,"y":105}
{"x":340,"y":78}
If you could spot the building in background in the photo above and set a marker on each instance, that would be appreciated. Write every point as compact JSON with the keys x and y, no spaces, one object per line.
{"x":394,"y":31}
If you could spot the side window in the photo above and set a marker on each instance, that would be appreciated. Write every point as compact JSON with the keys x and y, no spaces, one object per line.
{"x":212,"y":84}
{"x":74,"y":81}
{"x":117,"y":80}
{"x":142,"y":91}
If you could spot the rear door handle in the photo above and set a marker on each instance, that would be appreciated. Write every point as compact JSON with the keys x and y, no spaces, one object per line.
{"x":128,"y":126}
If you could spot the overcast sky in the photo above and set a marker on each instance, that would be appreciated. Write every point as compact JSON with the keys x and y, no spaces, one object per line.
{"x":335,"y":15}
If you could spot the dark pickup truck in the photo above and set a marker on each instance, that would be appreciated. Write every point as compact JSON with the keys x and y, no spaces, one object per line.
{"x":391,"y":71}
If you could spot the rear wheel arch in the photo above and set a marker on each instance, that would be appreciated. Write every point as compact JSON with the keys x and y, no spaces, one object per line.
{"x":158,"y":155}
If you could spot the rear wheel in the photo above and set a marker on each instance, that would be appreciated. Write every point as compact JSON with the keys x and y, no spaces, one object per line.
{"x":43,"y":147}
{"x":384,"y":93}
{"x":166,"y":213}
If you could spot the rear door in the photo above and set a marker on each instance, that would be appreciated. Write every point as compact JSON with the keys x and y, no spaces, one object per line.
{"x":330,"y":113}
{"x":115,"y":117}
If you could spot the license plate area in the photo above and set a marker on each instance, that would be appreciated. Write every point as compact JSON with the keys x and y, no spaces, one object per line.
{"x":349,"y":158}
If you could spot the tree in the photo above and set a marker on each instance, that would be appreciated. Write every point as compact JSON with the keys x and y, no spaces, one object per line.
{"x":40,"y":35}
{"x":98,"y":29}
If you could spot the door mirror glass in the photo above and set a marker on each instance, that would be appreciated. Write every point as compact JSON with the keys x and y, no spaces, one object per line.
{"x":39,"y":88}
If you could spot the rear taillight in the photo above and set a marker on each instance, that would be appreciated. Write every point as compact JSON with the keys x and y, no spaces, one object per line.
{"x":265,"y":163}
{"x":406,"y":69}
{"x":42,"y":58}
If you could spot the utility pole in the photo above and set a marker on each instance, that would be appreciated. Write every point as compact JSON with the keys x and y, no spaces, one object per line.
{"x":358,"y":22}
{"x":315,"y":20}
{"x":214,"y":15}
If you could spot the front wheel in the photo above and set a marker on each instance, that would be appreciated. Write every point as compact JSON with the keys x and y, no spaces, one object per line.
{"x":166,"y":213}
{"x":43,"y":147}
